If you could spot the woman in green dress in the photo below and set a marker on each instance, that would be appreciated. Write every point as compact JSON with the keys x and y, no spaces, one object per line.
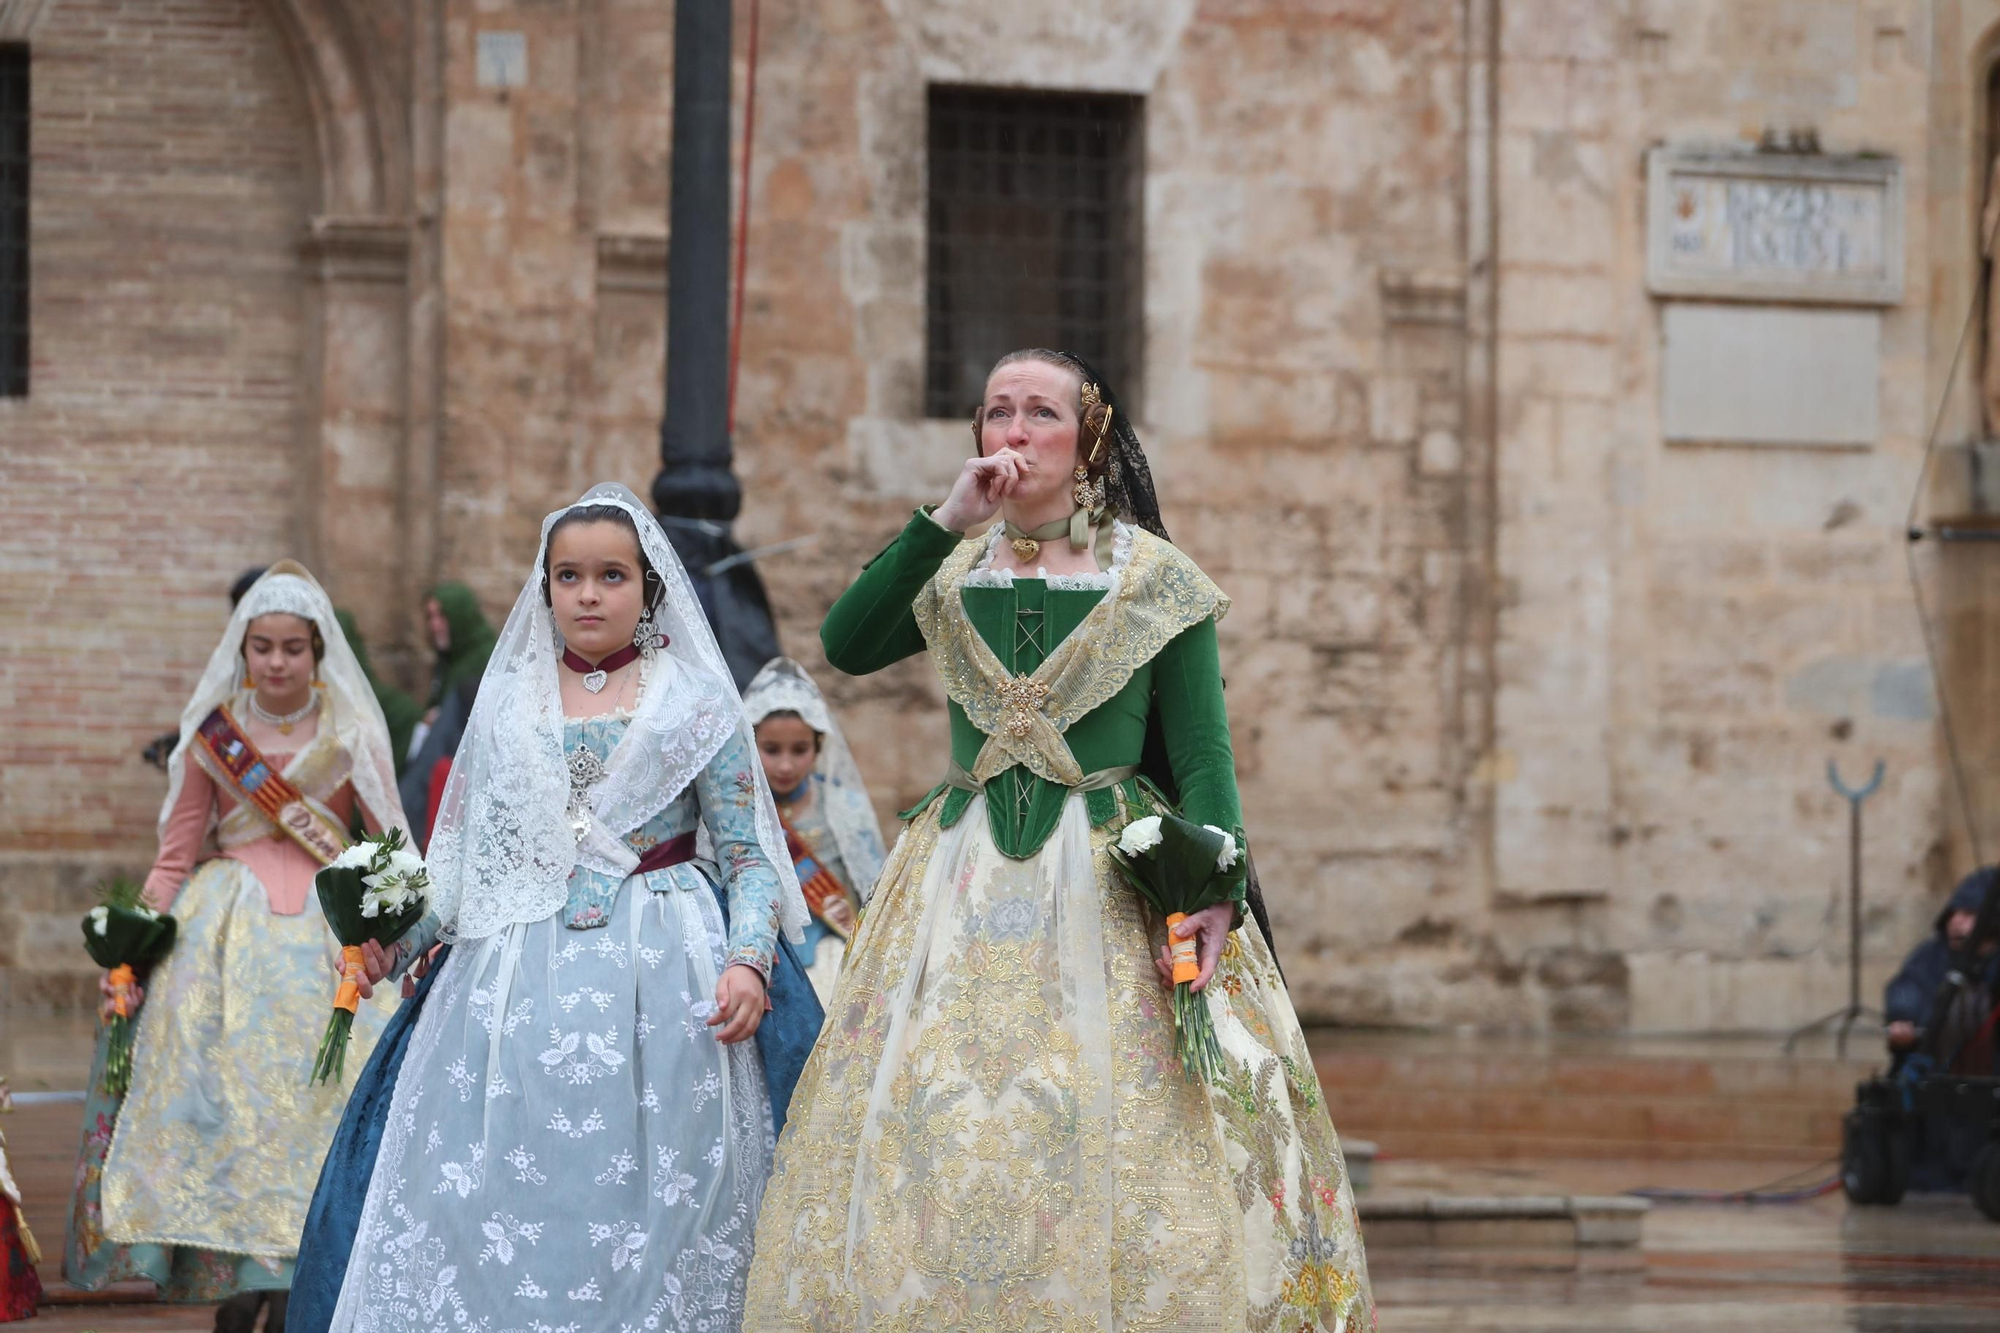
{"x":994,"y":1132}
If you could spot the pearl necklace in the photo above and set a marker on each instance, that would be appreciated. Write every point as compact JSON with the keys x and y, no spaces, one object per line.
{"x":284,"y":722}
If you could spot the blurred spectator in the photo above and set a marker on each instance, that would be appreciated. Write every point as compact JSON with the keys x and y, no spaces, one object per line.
{"x":399,"y":710}
{"x":1939,"y":1009}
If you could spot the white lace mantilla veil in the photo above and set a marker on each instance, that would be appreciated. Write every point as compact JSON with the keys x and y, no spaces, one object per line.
{"x":288,"y":588}
{"x":782,"y":685}
{"x":503,"y":847}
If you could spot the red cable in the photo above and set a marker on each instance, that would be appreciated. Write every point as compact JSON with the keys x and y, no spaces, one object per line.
{"x":743,"y":218}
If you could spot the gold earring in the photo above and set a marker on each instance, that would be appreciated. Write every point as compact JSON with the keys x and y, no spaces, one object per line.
{"x":1088,"y":491}
{"x":249,"y":681}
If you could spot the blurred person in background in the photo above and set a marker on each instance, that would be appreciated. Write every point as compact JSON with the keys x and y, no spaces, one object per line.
{"x":197,"y":1179}
{"x":830,"y":828}
{"x":464,"y":639}
{"x":1940,"y":1015}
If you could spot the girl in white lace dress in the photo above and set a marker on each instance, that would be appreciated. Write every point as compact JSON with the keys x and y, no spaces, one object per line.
{"x":580,"y":1131}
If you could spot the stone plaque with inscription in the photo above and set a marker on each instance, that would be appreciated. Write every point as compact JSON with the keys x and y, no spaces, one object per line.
{"x":1774,"y":227}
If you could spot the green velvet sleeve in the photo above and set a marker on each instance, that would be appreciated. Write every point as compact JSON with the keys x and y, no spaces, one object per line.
{"x":872,"y":625}
{"x":1187,"y":683}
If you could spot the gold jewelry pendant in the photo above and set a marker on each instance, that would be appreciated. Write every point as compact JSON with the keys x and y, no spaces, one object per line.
{"x":1025,"y":548}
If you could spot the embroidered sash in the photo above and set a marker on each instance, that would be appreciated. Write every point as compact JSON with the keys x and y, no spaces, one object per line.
{"x":1158,"y":594}
{"x":233,"y":761}
{"x":816,"y":882}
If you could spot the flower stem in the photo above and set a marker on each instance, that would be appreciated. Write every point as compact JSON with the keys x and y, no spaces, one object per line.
{"x":330,"y":1062}
{"x":118,"y":1057}
{"x":1194,"y":1036}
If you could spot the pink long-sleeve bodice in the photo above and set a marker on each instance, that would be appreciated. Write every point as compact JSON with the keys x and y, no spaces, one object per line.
{"x":284,"y":868}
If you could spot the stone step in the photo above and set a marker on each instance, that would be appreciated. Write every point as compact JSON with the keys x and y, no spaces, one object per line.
{"x":1525,"y":1222}
{"x":1448,"y":1096}
{"x":1625,"y":1076}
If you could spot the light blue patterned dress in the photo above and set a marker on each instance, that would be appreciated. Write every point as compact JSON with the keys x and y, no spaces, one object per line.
{"x":568,"y":1147}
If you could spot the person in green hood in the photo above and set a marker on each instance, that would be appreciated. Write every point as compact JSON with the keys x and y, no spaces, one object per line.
{"x":461,"y":635}
{"x":399,"y":710}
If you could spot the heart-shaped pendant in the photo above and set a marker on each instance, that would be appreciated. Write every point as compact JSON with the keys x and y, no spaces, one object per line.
{"x":595,"y":681}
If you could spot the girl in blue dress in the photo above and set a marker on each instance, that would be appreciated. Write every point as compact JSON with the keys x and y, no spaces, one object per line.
{"x":573,"y":1128}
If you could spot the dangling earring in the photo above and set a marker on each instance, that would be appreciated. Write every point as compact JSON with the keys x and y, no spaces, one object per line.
{"x":249,"y":681}
{"x":1088,"y":491}
{"x":645,"y":635}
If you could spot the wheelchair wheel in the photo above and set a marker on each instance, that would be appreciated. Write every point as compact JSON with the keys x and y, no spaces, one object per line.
{"x":1985,"y":1182}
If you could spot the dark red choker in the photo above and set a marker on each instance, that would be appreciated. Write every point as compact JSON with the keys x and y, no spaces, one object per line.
{"x":595,"y":676}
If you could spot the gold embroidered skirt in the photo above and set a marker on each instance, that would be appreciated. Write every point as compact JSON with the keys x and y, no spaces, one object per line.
{"x":220,"y":1141}
{"x":994,"y":1134}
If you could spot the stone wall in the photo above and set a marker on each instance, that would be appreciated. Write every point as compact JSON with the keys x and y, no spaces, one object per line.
{"x":1689,"y":632}
{"x":1532,"y":708}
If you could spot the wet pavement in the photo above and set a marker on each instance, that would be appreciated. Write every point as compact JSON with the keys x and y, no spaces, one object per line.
{"x":1931,"y":1265}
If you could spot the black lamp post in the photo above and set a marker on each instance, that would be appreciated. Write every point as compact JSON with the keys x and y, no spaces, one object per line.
{"x":696,"y":492}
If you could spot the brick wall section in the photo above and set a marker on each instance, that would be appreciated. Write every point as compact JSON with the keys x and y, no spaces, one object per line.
{"x":151,"y":462}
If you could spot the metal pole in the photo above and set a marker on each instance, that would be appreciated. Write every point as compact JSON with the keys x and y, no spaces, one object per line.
{"x":1845,"y":1018}
{"x":696,"y":493}
{"x":695,"y":479}
{"x":1853,"y":912}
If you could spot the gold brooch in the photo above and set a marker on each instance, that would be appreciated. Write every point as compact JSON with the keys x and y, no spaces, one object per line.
{"x":1022,"y":699}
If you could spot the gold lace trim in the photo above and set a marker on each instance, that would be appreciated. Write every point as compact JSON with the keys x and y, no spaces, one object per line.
{"x":1158,"y":594}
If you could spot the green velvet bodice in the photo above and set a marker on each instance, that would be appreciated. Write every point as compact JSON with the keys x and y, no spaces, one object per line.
{"x":872,"y":625}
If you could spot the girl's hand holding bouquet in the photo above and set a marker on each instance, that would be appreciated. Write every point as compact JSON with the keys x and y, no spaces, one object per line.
{"x":371,"y":895}
{"x":123,"y":935}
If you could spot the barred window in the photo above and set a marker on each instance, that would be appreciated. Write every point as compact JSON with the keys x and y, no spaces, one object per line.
{"x":1035,"y":235}
{"x":13,"y":220}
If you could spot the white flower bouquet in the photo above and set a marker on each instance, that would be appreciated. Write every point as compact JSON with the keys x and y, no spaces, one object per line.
{"x":373,"y":891}
{"x":1181,"y":868}
{"x":123,"y":934}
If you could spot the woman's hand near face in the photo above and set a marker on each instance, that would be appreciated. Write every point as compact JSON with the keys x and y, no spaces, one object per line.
{"x":982,"y":484}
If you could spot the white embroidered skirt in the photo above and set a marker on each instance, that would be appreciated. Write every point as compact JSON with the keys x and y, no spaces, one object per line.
{"x":568,"y":1146}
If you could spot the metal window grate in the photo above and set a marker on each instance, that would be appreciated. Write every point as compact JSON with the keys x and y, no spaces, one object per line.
{"x":1035,"y":235}
{"x":13,"y":220}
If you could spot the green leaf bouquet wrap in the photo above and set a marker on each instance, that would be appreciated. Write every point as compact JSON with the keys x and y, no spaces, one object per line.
{"x":123,"y":935}
{"x":373,"y":891}
{"x":1182,"y":868}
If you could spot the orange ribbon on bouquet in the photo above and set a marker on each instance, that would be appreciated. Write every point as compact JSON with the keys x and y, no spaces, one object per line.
{"x":348,"y":997}
{"x":124,"y":981}
{"x":1187,"y":961}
